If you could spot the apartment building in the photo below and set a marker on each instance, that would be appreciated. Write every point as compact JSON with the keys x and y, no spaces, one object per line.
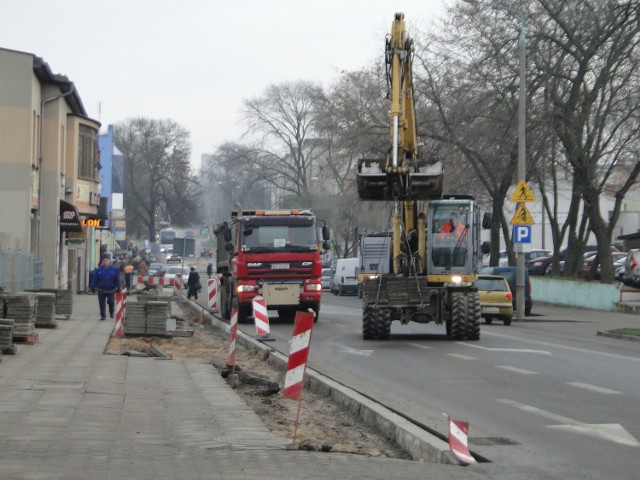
{"x":49,"y":171}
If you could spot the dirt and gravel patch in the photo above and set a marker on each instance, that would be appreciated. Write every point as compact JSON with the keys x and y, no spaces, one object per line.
{"x":323,"y":424}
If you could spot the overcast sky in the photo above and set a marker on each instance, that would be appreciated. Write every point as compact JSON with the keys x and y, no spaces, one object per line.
{"x":195,"y":61}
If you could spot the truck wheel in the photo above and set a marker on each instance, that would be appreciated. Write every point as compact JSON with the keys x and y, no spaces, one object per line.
{"x":458,"y":316}
{"x":369,"y":330}
{"x":243,"y":311}
{"x":225,"y":311}
{"x":488,"y":320}
{"x":473,"y":316}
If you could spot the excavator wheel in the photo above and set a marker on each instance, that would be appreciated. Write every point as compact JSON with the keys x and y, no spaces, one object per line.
{"x":458,"y":316}
{"x":384,"y":323}
{"x":473,"y":316}
{"x":369,"y":330}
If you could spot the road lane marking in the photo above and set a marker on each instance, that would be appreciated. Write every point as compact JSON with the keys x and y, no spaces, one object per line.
{"x":614,"y":432}
{"x":354,"y":351}
{"x":594,"y":388}
{"x":418,"y":345}
{"x":517,"y":370}
{"x":515,"y":350}
{"x":564,"y":347}
{"x":460,"y":356}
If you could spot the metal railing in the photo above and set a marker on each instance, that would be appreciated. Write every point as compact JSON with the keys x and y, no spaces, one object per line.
{"x":20,"y":271}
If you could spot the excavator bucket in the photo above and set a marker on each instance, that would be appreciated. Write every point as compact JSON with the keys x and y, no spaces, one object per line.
{"x":425,"y":181}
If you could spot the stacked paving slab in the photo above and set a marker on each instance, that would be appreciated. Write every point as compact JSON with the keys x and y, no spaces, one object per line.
{"x":46,"y":311}
{"x":63,"y":301}
{"x":6,"y":333}
{"x":135,"y":321}
{"x":157,"y":314}
{"x":21,"y":306}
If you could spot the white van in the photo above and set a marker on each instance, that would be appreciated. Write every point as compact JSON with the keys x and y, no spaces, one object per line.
{"x":345,"y":278}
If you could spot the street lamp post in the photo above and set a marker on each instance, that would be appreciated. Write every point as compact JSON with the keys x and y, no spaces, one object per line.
{"x":522,"y":109}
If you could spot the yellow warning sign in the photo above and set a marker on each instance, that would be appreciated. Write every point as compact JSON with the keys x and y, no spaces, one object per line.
{"x":522,"y":193}
{"x":522,"y":216}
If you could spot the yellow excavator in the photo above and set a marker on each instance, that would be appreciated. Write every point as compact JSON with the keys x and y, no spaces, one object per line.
{"x":435,"y":241}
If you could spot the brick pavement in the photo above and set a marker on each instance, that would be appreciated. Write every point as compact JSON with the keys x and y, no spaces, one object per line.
{"x":69,"y":411}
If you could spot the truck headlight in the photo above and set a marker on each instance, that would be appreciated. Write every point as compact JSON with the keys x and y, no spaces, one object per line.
{"x":313,"y":287}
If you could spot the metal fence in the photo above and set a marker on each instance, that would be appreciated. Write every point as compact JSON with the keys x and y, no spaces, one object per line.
{"x":20,"y":271}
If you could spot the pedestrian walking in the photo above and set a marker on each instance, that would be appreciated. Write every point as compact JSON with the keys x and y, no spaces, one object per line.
{"x":193,"y":284}
{"x":210,"y":269}
{"x":106,"y":281}
{"x":128,"y":275}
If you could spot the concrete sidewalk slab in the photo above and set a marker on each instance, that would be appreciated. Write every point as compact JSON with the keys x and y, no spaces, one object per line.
{"x":68,"y":411}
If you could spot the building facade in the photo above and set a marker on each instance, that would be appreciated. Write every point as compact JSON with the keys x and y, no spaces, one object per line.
{"x":49,"y":167}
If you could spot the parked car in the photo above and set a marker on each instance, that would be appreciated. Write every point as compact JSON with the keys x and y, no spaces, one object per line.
{"x":631,"y":273}
{"x":588,"y":262}
{"x":326,"y":278}
{"x":496,"y":299}
{"x":510,"y":274}
{"x":156,"y":269}
{"x":172,"y":271}
{"x":503,"y":261}
{"x":543,"y":265}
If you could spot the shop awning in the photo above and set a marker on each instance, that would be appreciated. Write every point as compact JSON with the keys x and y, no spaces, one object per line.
{"x":69,"y":218}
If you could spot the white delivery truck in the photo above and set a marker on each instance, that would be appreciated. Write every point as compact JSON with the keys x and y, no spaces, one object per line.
{"x":345,"y":277}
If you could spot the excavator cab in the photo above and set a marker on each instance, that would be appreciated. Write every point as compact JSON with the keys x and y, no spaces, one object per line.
{"x":452,"y":237}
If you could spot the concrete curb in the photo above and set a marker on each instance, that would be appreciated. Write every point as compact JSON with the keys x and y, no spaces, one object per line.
{"x":618,"y":336}
{"x":420,"y":444}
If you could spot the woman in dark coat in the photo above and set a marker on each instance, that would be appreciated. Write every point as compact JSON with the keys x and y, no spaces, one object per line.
{"x":193,"y":282}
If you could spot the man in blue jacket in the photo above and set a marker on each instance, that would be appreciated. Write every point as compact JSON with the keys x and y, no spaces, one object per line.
{"x":106,"y":280}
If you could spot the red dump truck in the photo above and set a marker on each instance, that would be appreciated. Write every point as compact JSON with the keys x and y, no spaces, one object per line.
{"x":272,"y":253}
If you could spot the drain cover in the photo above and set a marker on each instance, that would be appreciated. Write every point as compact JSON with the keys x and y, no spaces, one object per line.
{"x":492,"y":441}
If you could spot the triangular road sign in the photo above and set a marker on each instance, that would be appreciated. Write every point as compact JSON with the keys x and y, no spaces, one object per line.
{"x":522,"y":193}
{"x":522,"y":216}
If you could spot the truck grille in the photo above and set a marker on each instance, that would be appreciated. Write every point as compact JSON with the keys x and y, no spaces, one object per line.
{"x":266,"y":270}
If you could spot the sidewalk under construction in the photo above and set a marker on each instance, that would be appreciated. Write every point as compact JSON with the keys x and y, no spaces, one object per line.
{"x":69,"y":411}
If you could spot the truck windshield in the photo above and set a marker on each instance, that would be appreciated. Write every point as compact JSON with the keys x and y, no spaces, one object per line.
{"x":279,"y":238}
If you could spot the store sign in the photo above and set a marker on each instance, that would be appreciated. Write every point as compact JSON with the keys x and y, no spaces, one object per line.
{"x":93,"y":222}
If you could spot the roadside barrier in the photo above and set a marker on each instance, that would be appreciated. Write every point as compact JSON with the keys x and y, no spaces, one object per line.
{"x":298,"y":355}
{"x":212,"y":292}
{"x":233,"y":335}
{"x":458,"y":434}
{"x":261,"y":318}
{"x":121,"y":304}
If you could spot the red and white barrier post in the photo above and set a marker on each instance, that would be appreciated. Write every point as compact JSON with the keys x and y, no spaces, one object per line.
{"x":458,"y":434}
{"x":233,"y":335}
{"x":121,"y":303}
{"x":261,"y":318}
{"x":213,"y":292}
{"x":177,"y":283}
{"x":297,"y":363}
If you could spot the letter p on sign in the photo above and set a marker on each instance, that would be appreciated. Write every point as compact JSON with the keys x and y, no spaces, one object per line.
{"x":522,"y":233}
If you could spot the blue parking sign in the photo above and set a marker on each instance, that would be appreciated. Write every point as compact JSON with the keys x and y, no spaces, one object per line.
{"x":522,"y":233}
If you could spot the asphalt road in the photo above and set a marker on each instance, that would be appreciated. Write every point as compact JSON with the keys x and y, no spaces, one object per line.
{"x":547,"y":398}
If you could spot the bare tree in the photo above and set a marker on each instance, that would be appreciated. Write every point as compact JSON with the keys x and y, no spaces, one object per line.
{"x":469,"y":78}
{"x":281,"y":127}
{"x":158,"y":180}
{"x":592,"y":84}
